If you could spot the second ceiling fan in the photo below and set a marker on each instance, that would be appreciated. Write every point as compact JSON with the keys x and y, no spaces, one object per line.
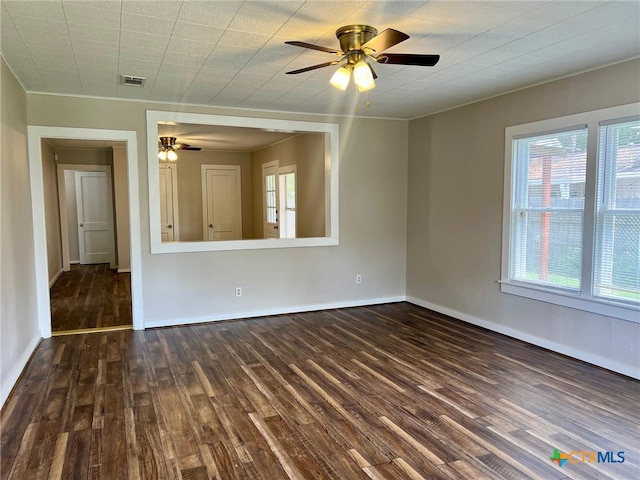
{"x":359,"y":43}
{"x":168,"y":147}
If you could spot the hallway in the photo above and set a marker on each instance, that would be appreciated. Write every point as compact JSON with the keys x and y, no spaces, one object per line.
{"x":90,"y":296}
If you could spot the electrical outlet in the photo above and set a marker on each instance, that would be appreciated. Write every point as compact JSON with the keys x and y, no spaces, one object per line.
{"x":358,"y":278}
{"x":238,"y":291}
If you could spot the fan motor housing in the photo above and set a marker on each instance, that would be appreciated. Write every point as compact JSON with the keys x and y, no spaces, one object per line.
{"x":167,"y":142}
{"x":352,"y":37}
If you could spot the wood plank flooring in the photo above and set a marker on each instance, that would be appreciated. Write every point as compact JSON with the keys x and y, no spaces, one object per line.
{"x":386,"y":392}
{"x":90,"y":296}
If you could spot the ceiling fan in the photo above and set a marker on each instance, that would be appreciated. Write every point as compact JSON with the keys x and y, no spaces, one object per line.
{"x":168,"y":147}
{"x":359,"y":43}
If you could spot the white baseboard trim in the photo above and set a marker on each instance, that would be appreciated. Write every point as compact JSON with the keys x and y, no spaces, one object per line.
{"x":55,"y":278}
{"x":275,"y":311}
{"x":124,"y":270}
{"x":74,"y":262}
{"x":9,"y":381}
{"x":598,"y":360}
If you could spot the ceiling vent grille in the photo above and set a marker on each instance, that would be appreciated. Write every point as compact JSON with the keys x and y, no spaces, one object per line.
{"x":132,"y":81}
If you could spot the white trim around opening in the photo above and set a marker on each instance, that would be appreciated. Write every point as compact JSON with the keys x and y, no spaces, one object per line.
{"x":35,"y":136}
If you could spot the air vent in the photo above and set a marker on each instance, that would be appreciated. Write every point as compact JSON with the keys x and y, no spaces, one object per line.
{"x":132,"y":81}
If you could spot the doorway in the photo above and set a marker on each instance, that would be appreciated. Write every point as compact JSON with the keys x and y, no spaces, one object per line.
{"x":130,"y":250}
{"x":93,"y":291}
{"x":270,"y":199}
{"x":87,"y":194}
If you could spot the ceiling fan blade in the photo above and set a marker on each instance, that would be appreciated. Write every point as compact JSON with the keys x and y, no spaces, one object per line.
{"x":409,"y":59}
{"x":387,"y":39}
{"x":186,"y":146}
{"x":313,"y":67}
{"x":315,"y":47}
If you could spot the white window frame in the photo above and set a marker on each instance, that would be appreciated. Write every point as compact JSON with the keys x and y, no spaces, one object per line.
{"x":583,"y":299}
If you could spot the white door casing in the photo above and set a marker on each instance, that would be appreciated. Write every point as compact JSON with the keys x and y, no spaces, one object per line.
{"x":95,"y":218}
{"x":270,"y":199}
{"x":169,"y":202}
{"x":35,"y":136}
{"x":221,"y":202}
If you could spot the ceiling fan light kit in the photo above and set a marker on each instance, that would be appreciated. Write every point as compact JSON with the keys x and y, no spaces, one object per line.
{"x":359,"y":43}
{"x":167,"y":152}
{"x":168,"y":147}
{"x":363,"y":77}
{"x":341,"y":78}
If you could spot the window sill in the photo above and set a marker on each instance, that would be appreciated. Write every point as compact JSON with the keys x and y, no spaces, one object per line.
{"x":258,"y":244}
{"x":621,"y":311}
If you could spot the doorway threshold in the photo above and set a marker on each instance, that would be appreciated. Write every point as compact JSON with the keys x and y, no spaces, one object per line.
{"x":91,"y":330}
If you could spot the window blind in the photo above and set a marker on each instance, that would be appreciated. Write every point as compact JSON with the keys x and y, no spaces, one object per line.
{"x":548,"y":208}
{"x":617,"y":252}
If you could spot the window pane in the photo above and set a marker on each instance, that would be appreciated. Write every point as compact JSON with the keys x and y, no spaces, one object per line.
{"x":617,"y":261}
{"x":291,"y":224}
{"x":271,"y":215}
{"x":291,"y":190}
{"x":549,"y":248}
{"x":547,"y":208}
{"x":618,"y":271}
{"x":550,"y":170}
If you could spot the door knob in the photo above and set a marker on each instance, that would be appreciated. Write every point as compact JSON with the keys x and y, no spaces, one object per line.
{"x":211,"y":225}
{"x":169,"y":226}
{"x":81,"y":224}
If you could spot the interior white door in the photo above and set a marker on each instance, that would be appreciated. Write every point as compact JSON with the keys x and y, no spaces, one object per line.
{"x":168,"y":202}
{"x":95,"y":218}
{"x":270,"y":199}
{"x":221,"y":202}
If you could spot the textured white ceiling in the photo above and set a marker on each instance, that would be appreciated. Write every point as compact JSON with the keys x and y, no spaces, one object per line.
{"x":218,"y":137}
{"x":233,"y":53}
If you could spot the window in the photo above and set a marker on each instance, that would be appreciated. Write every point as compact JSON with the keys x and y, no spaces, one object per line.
{"x":572,"y":211}
{"x":617,"y":266}
{"x":548,"y":208}
{"x":270,"y":198}
{"x":287,"y":178}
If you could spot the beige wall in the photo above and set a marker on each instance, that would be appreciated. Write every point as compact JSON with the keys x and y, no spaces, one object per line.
{"x":72,"y":215}
{"x":51,"y":212}
{"x":456,"y":162}
{"x":182,"y":287}
{"x":190,"y":189}
{"x":84,"y":156}
{"x":19,"y":331}
{"x":121,"y":211}
{"x":307,"y":153}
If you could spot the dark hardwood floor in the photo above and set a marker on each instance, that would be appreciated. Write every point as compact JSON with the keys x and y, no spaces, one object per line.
{"x":386,"y":392}
{"x":90,"y":296}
